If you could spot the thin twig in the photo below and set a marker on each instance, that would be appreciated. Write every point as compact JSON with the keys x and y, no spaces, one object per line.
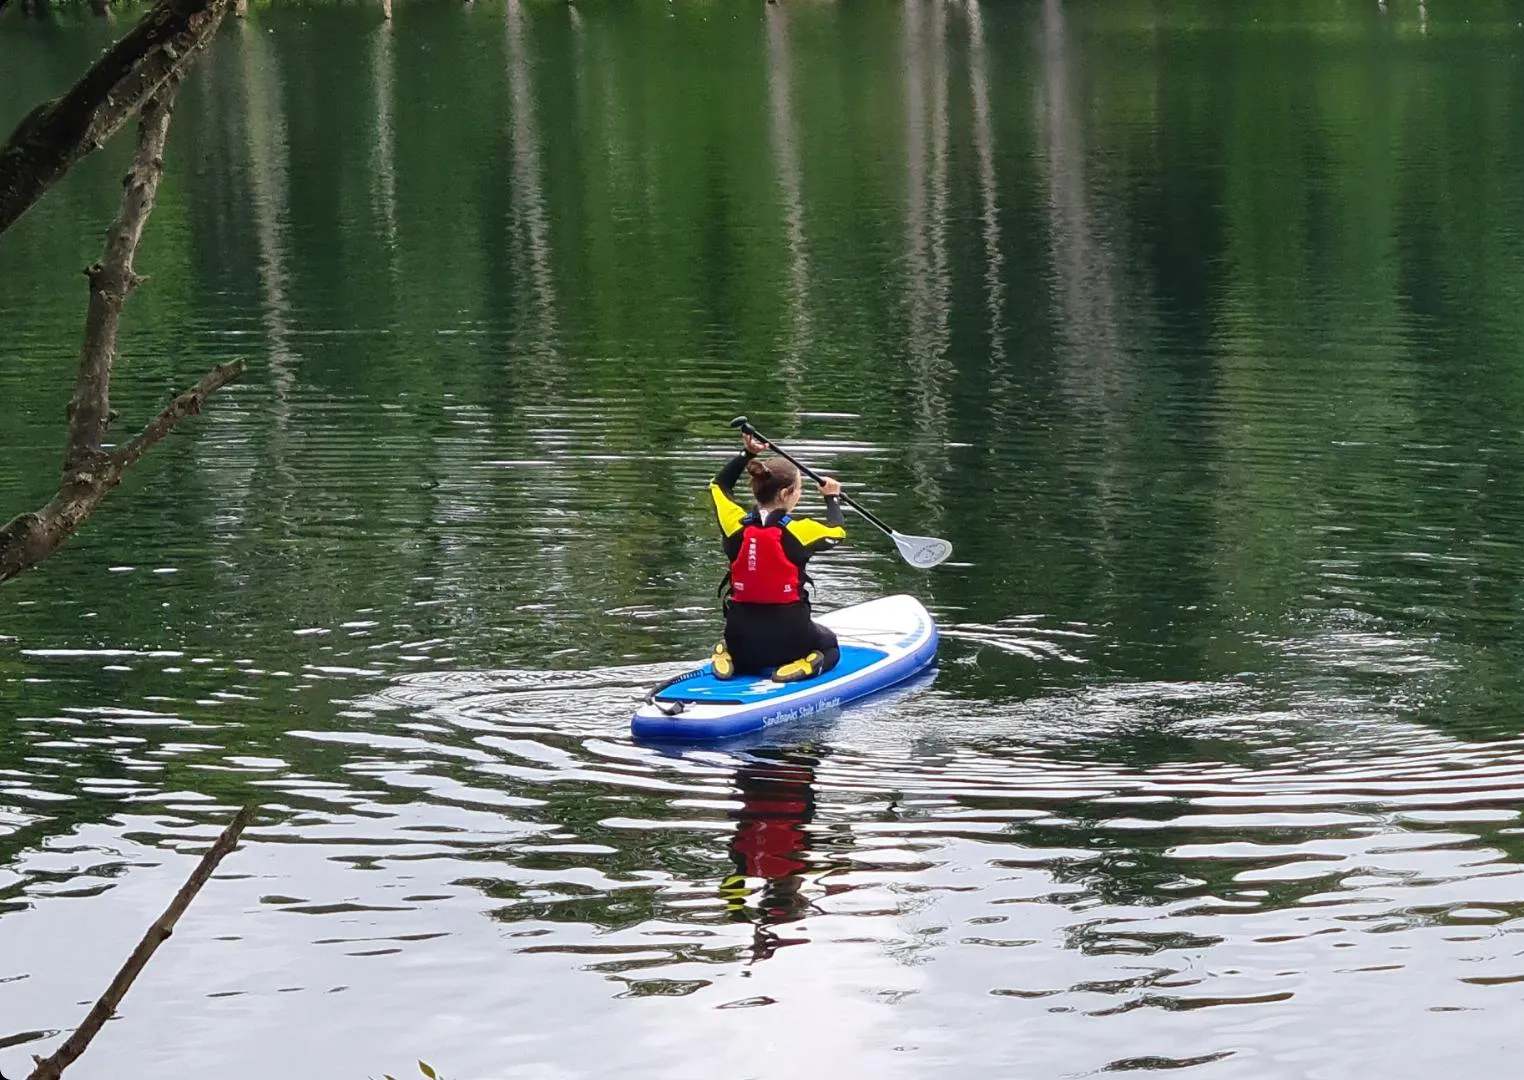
{"x":188,"y":403}
{"x":52,"y":1068}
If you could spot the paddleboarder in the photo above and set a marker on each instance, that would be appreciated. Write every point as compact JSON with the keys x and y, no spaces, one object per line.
{"x":766,"y":590}
{"x":768,"y":619}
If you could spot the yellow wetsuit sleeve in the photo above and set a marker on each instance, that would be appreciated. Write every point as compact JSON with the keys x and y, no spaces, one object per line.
{"x":726,"y":510}
{"x":815,"y":535}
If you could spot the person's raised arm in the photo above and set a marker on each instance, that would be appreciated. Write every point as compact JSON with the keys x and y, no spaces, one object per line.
{"x":726,"y":509}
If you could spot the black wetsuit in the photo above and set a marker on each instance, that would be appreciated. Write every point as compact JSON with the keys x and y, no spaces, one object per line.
{"x":761,"y":637}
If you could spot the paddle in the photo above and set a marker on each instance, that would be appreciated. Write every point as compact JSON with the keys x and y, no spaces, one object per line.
{"x":922,"y":552}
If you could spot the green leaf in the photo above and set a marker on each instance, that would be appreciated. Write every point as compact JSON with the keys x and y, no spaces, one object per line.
{"x":427,"y":1070}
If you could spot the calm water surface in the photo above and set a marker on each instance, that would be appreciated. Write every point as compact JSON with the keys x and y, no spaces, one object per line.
{"x":1196,"y":326}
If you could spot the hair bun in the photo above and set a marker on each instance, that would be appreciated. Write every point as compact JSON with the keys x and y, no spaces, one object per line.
{"x":769,"y":479}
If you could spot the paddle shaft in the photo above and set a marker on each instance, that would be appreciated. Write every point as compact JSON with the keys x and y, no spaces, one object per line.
{"x":868,"y":516}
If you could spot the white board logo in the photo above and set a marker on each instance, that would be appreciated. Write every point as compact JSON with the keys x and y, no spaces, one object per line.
{"x":808,"y":708}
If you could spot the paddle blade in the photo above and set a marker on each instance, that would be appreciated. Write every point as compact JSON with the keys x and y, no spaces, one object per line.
{"x":922,"y":552}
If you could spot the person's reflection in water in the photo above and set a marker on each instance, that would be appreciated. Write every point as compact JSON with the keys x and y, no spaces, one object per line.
{"x":771,"y":842}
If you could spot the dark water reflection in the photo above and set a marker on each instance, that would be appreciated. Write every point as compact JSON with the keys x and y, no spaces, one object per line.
{"x":1208,"y":370}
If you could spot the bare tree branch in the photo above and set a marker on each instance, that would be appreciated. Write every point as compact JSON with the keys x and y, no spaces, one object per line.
{"x":29,"y":538}
{"x":89,"y":470}
{"x":111,"y":280}
{"x":188,"y":403}
{"x":58,"y":133}
{"x":75,"y":1045}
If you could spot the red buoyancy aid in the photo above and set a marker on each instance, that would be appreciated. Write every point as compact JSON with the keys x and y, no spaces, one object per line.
{"x":762,"y":572}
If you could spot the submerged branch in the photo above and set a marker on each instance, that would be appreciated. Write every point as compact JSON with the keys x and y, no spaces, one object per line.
{"x":52,"y":1068}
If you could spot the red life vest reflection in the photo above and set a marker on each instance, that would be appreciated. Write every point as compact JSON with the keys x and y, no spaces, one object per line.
{"x":772,"y":842}
{"x":777,"y":802}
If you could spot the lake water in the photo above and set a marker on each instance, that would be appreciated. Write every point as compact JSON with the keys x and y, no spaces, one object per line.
{"x":1196,"y":327}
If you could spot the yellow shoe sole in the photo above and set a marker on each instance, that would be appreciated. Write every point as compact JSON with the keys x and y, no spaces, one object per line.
{"x":799,"y":670}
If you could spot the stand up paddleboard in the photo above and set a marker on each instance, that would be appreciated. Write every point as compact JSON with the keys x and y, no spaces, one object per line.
{"x":883,"y":642}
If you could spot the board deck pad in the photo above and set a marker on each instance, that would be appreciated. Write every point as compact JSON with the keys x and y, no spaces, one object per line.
{"x":744,"y":689}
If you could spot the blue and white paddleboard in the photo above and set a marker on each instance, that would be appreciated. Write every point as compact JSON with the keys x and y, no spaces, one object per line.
{"x":883,"y":642}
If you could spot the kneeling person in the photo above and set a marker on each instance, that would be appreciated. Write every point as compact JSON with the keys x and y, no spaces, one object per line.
{"x":767,"y":603}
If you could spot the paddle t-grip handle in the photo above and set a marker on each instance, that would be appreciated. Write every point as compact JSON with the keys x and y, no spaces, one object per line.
{"x":744,"y":425}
